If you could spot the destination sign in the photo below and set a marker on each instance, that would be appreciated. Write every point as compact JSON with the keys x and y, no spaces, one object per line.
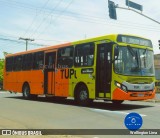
{"x":134,"y":40}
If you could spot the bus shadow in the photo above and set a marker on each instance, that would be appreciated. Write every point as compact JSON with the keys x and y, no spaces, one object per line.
{"x":95,"y":105}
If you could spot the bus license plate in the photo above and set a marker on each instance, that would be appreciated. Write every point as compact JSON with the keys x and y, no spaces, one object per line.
{"x":140,"y":95}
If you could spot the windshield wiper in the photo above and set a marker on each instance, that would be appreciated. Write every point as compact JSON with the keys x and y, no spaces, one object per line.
{"x":134,"y":54}
{"x":146,"y":50}
{"x":145,"y":53}
{"x":131,"y":51}
{"x":137,"y":59}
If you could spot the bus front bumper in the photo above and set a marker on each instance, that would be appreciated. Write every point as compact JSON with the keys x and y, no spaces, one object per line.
{"x":119,"y":94}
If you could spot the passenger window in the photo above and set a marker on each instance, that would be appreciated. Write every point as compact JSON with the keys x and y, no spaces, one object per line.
{"x":9,"y":64}
{"x":38,"y":60}
{"x":17,"y":63}
{"x":84,"y":55}
{"x":27,"y":62}
{"x":65,"y":57}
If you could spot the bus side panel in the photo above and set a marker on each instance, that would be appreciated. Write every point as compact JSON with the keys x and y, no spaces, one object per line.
{"x":19,"y":81}
{"x":86,"y":78}
{"x":10,"y":80}
{"x":36,"y":82}
{"x":62,"y":82}
{"x":22,"y":77}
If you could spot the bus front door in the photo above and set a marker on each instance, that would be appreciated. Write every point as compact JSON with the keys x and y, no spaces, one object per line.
{"x":104,"y":70}
{"x":49,"y":72}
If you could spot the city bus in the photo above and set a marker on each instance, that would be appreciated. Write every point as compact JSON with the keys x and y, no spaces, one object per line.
{"x":114,"y":67}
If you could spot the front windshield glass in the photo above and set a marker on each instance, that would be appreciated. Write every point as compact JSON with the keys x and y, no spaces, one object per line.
{"x":134,"y":61}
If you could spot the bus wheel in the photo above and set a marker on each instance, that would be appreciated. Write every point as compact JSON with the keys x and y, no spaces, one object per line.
{"x":81,"y":96}
{"x":26,"y":91}
{"x":117,"y":102}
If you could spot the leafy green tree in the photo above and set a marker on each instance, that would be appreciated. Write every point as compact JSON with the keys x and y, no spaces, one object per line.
{"x":1,"y":70}
{"x":2,"y":66}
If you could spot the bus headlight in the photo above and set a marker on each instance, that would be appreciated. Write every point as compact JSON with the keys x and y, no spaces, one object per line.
{"x":118,"y":84}
{"x":121,"y":86}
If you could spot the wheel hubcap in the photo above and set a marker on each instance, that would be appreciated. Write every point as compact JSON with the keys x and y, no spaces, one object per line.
{"x":26,"y":92}
{"x":83,"y":95}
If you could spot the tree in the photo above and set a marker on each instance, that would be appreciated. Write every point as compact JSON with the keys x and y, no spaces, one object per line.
{"x":2,"y":67}
{"x":5,"y":53}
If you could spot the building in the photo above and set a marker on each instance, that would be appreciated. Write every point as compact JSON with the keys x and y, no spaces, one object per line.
{"x":157,"y":71}
{"x":157,"y":66}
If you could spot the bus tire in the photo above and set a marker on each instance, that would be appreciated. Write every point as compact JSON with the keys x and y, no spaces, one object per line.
{"x":82,"y":95}
{"x":26,"y":92}
{"x":117,"y":102}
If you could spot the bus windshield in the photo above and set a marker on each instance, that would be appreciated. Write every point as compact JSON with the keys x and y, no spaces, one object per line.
{"x":134,"y":61}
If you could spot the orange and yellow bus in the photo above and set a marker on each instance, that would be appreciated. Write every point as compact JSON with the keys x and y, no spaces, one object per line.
{"x":113,"y":67}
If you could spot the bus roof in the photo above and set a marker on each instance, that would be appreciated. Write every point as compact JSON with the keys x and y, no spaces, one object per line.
{"x":112,"y":37}
{"x":40,"y":49}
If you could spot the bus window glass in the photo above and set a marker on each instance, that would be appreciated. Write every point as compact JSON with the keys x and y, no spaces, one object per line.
{"x":18,"y":63}
{"x":9,"y":64}
{"x":38,"y":60}
{"x":134,"y":61}
{"x":27,"y":62}
{"x":84,"y":55}
{"x":65,"y":57}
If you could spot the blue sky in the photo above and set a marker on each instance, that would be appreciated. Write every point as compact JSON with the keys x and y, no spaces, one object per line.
{"x":51,"y":22}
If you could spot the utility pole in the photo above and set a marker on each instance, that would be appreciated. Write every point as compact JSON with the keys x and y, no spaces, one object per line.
{"x":26,"y":39}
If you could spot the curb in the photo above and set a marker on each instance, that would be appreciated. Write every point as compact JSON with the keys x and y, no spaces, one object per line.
{"x":153,"y":100}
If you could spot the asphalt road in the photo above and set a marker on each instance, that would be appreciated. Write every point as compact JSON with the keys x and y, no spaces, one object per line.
{"x":43,"y":113}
